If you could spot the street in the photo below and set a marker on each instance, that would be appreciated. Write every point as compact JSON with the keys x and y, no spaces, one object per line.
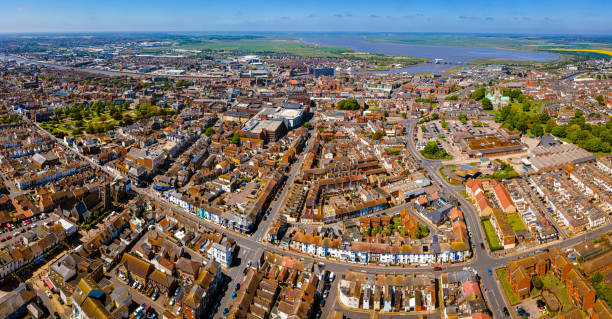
{"x":252,"y":246}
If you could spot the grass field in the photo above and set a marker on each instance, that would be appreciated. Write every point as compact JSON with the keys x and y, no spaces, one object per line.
{"x":501,"y":274}
{"x":292,"y":48}
{"x":492,"y":238}
{"x":264,"y":46}
{"x":516,"y":223}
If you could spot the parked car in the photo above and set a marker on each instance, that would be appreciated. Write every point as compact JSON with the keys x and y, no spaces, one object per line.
{"x":490,"y":272}
{"x":225,"y":311}
{"x":234,"y":295}
{"x":437,"y":268}
{"x":506,"y":312}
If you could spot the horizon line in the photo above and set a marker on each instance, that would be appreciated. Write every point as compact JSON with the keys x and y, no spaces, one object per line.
{"x":300,"y":31}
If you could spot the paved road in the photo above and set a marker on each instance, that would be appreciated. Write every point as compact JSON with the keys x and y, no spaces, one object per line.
{"x":276,"y":206}
{"x":481,"y":262}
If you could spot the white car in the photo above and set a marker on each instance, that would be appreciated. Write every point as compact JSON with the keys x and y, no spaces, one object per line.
{"x":332,"y":276}
{"x":48,"y":294}
{"x":137,"y":310}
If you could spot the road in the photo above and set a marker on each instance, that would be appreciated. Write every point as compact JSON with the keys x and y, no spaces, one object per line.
{"x":252,"y":246}
{"x":276,"y":206}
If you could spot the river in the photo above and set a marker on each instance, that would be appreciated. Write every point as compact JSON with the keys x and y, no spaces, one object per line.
{"x":451,"y":56}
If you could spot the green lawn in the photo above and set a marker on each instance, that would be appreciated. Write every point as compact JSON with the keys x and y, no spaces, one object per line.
{"x":441,"y":170}
{"x":565,"y":299}
{"x":501,"y":274}
{"x":515,"y":222}
{"x":553,"y":284}
{"x":492,"y":238}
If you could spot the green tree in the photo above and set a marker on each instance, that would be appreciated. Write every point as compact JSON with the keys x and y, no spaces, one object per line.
{"x":486,"y":104}
{"x":597,"y":278}
{"x":307,"y":125}
{"x":235,"y":139}
{"x":127,"y":119}
{"x":593,"y":144}
{"x":435,"y":116}
{"x":90,"y":129}
{"x":463,"y":118}
{"x":378,"y":135}
{"x":537,"y":282}
{"x":537,"y":130}
{"x":526,"y":107}
{"x":58,"y":112}
{"x":559,"y":131}
{"x":209,"y":132}
{"x":544,"y":117}
{"x":478,"y":94}
{"x":348,"y":104}
{"x":431,"y":147}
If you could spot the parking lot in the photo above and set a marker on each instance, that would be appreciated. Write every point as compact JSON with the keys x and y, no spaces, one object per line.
{"x":529,"y":308}
{"x":141,"y":296}
{"x":10,"y":233}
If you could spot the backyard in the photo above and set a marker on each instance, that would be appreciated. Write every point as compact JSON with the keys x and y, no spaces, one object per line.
{"x":492,"y":238}
{"x":515,"y":222}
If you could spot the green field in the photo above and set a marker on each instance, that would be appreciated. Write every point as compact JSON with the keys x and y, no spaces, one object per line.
{"x":492,"y":238}
{"x":516,"y":222}
{"x":512,"y":298}
{"x":263,"y":46}
{"x":291,"y":47}
{"x":99,"y":117}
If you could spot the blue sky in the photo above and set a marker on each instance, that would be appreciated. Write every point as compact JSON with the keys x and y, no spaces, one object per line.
{"x":494,"y":16}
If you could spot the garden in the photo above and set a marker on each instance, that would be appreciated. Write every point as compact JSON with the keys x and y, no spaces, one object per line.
{"x":492,"y":239}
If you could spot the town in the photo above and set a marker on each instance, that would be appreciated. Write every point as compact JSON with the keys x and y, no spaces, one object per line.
{"x":278,"y":186}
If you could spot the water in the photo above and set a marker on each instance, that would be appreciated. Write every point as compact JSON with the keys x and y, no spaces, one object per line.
{"x":451,"y":55}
